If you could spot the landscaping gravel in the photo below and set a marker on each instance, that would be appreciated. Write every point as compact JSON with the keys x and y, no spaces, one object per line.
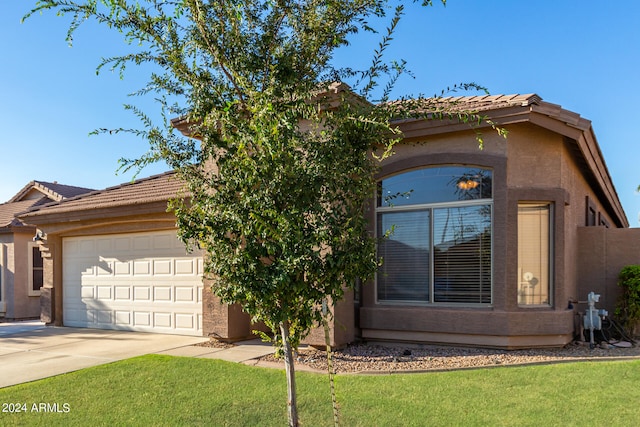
{"x":373,"y":358}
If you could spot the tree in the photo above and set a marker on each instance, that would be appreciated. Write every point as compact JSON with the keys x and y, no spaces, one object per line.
{"x":278,"y":163}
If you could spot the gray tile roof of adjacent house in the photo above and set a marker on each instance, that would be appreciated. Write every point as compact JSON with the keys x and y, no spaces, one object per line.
{"x":156,"y":188}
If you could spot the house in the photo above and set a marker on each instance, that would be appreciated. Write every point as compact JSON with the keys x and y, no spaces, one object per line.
{"x":21,"y":272}
{"x":501,"y":230}
{"x":112,"y":260}
{"x":495,"y":247}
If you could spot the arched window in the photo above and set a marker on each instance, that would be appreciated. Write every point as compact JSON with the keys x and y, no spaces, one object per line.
{"x":435,"y":225}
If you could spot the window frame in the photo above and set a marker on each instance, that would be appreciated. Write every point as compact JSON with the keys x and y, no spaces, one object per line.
{"x":30,"y":269}
{"x":550,"y":253}
{"x":591,"y":213}
{"x":432,"y":207}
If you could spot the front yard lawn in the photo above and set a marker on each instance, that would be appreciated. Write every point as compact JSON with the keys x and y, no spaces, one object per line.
{"x":158,"y":390}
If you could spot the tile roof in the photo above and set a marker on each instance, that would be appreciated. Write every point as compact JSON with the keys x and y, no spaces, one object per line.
{"x":156,"y":188}
{"x":493,"y":102}
{"x":477,"y":103}
{"x":66,"y":191}
{"x":35,"y":193}
{"x":52,"y":190}
{"x":8,"y":212}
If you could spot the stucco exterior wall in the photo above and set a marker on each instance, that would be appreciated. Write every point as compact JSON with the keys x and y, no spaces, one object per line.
{"x":532,"y":164}
{"x":602,"y":253}
{"x":18,"y":304}
{"x":7,"y":272}
{"x":535,"y":157}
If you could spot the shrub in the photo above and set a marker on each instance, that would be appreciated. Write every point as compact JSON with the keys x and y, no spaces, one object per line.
{"x":628,"y":307}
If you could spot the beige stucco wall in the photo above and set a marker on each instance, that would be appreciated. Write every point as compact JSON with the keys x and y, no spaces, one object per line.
{"x":18,"y":304}
{"x":7,"y":272}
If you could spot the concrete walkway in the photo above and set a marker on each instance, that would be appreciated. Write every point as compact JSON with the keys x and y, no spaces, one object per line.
{"x":30,"y":350}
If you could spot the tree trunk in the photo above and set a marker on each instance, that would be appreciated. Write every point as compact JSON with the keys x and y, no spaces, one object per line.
{"x":334,"y":400}
{"x":292,"y":404}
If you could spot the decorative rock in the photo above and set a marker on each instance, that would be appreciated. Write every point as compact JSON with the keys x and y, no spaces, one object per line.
{"x":379,"y":358}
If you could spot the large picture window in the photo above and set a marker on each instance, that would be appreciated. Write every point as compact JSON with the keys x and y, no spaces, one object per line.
{"x":435,"y":225}
{"x":534,"y":254}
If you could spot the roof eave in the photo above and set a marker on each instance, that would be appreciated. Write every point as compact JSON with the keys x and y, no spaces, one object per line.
{"x":101,"y":213}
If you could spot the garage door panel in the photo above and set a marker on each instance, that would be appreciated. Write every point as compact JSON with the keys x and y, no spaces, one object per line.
{"x":144,"y":282}
{"x":186,"y":267}
{"x":122,"y":293}
{"x":122,"y":268}
{"x":102,"y":268}
{"x":103,"y":293}
{"x":86,"y":292}
{"x":162,"y":320}
{"x":162,"y":293}
{"x":81,"y":267}
{"x":142,"y":268}
{"x":141,"y":318}
{"x":185,"y":321}
{"x":142,"y":293}
{"x":164,"y":242}
{"x":184,"y":293}
{"x":123,"y":318}
{"x":104,"y":245}
{"x":141,"y":243}
{"x":104,"y":316}
{"x":161,"y":267}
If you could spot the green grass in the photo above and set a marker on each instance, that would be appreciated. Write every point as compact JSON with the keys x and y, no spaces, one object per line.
{"x":175,"y":391}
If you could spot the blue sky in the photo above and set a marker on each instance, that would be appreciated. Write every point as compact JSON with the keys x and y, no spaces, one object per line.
{"x":581,"y":54}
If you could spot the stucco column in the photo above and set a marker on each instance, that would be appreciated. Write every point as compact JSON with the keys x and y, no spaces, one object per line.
{"x":51,"y":294}
{"x":223,"y":321}
{"x":342,"y":329}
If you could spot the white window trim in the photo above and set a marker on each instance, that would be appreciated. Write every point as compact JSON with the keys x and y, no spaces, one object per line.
{"x":32,"y":293}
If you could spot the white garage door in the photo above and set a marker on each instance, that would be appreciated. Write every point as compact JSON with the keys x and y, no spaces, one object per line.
{"x":140,"y":282}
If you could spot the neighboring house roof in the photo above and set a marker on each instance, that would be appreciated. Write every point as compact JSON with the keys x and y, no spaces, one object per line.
{"x":8,"y":212}
{"x":35,"y":193}
{"x":52,"y":190}
{"x":151,"y":190}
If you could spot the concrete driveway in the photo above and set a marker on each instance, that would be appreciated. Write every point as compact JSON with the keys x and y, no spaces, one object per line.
{"x":31,"y":351}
